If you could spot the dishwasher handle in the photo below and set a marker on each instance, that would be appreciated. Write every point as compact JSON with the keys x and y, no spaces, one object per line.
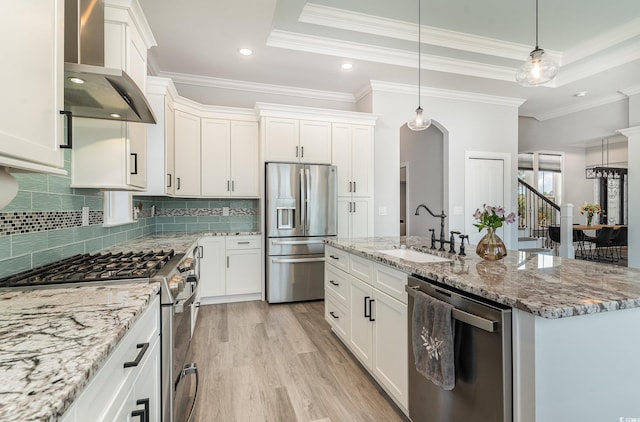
{"x":460,"y":315}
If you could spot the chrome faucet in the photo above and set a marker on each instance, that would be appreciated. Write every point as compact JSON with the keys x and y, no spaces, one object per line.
{"x":442,"y":216}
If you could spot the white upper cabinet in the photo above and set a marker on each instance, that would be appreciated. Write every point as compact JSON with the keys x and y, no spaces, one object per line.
{"x":293,"y":140}
{"x":245,"y":159}
{"x":187,"y":154}
{"x":353,"y":154}
{"x":32,"y":81}
{"x":117,"y":151}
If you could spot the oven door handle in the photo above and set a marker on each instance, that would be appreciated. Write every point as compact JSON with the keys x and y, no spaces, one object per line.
{"x":296,"y":260}
{"x":180,"y":306}
{"x":190,"y":369}
{"x":460,"y":315}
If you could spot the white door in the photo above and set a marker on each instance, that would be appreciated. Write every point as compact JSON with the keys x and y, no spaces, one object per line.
{"x":243,"y":271}
{"x":187,"y":154}
{"x":315,"y":142}
{"x":484,"y":184}
{"x":245,"y":159}
{"x":212,"y":267}
{"x":390,"y":345}
{"x":214,"y":145}
{"x":361,"y":331}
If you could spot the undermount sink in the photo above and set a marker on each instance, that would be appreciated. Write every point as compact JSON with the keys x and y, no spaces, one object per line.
{"x":414,"y":256}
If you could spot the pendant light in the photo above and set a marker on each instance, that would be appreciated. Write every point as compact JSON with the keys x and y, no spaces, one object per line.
{"x":539,"y":67}
{"x":418,"y":122}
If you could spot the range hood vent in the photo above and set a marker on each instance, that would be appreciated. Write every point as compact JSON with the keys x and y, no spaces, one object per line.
{"x":90,"y":89}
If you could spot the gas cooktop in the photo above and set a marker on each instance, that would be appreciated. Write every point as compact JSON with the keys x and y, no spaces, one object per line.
{"x":96,"y":267}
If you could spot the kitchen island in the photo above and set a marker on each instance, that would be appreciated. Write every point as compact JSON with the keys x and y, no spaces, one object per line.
{"x":575,"y":336}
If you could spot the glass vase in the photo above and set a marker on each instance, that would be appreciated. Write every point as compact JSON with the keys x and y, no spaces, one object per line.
{"x":589,"y":219}
{"x":491,"y":247}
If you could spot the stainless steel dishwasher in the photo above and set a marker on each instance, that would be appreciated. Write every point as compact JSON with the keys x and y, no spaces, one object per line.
{"x":482,"y":350}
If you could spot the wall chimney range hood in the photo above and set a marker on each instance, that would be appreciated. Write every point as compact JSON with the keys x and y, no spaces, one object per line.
{"x":90,"y":89}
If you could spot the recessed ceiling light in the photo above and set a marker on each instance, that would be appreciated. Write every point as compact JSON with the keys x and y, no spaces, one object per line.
{"x":346,"y":66}
{"x":76,"y":80}
{"x":580,"y":94}
{"x":246,"y":51}
{"x":115,"y":115}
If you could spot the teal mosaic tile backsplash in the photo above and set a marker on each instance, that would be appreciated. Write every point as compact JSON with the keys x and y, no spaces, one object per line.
{"x":42,"y":223}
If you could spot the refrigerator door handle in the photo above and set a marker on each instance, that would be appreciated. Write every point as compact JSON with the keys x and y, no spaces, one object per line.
{"x":297,"y":242}
{"x":303,"y":200}
{"x":308,"y":188}
{"x":296,"y":260}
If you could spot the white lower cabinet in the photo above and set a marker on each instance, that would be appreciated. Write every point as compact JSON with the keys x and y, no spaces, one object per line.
{"x":368,"y":312}
{"x":128,"y":384}
{"x":230,"y":268}
{"x":355,"y":217}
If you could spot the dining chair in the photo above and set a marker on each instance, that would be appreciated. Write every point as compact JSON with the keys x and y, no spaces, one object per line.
{"x":578,"y":238}
{"x":554,"y":236}
{"x":601,"y":243}
{"x":620,"y":240}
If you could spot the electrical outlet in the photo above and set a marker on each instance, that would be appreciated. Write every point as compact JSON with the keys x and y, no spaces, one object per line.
{"x":85,"y":216}
{"x":225,"y":211}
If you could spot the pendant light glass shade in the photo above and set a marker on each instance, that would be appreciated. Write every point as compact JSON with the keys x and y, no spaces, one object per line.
{"x":539,"y":67}
{"x":418,"y":122}
{"x":537,"y":70}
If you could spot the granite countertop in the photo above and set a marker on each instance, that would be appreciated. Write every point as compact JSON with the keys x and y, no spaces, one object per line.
{"x":543,"y":285}
{"x":54,"y":340}
{"x":179,"y":242}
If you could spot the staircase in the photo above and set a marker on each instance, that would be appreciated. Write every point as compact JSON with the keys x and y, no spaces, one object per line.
{"x":536,"y":213}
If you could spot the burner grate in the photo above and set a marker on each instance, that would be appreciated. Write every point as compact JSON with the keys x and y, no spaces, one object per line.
{"x":96,"y":267}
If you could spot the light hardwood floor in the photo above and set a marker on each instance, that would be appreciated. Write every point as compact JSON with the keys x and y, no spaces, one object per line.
{"x":261,"y":362}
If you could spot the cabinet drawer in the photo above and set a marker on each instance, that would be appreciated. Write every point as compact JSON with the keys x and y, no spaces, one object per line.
{"x":243,"y":242}
{"x":337,"y":258}
{"x":361,"y":268}
{"x":337,"y":317}
{"x":390,"y":281}
{"x":113,"y":377}
{"x":336,"y":282}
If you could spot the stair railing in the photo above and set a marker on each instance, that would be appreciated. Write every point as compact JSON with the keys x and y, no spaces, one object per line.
{"x":536,"y":212}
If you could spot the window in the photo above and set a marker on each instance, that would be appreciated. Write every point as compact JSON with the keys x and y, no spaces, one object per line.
{"x":118,"y":208}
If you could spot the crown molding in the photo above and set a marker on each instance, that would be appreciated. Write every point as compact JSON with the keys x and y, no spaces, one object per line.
{"x":313,"y":113}
{"x":448,"y":94}
{"x":632,"y":90}
{"x":161,"y":86}
{"x":358,"y":51}
{"x":213,"y":111}
{"x":583,"y":105}
{"x":229,"y":84}
{"x":603,"y":42}
{"x":630,"y":132}
{"x":390,"y":28}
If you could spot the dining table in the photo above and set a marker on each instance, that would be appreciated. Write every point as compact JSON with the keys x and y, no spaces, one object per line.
{"x":596,"y":226}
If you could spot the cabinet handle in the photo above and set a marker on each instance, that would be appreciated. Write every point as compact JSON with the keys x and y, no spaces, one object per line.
{"x":296,"y":152}
{"x":243,"y":243}
{"x":136,"y":361}
{"x":334,"y":283}
{"x":350,"y":186}
{"x":233,"y":186}
{"x":135,"y":162}
{"x":168,"y":180}
{"x":228,"y":183}
{"x":302,"y":149}
{"x":201,"y":250}
{"x":69,"y":143}
{"x":334,"y":315}
{"x":366,"y":298}
{"x":227,"y":262}
{"x":333,"y":256}
{"x":371,"y":318}
{"x":178,"y":181}
{"x":354,"y":187}
{"x":354,"y":207}
{"x":142,"y":413}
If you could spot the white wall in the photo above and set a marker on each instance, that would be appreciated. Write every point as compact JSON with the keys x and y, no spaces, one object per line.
{"x":423,"y":151}
{"x":577,"y":128}
{"x":471,"y":125}
{"x":576,"y":188}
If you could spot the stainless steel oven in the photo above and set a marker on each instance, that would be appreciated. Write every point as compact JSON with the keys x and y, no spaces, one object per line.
{"x":482,"y":352}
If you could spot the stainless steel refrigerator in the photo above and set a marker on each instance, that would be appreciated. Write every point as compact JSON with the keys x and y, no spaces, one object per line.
{"x":300,"y":211}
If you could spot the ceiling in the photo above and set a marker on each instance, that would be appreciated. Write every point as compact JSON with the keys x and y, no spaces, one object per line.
{"x":467,"y":45}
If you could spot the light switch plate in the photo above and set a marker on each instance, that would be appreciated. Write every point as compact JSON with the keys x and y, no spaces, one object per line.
{"x":225,"y":211}
{"x":458,"y":210}
{"x":382,"y":210}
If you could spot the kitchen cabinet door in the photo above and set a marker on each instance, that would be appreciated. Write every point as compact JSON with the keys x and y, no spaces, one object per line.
{"x":282,"y":140}
{"x":169,"y":148}
{"x":215,"y":156}
{"x":341,"y":156}
{"x":243,"y":271}
{"x":212,"y":266}
{"x":390,"y":345}
{"x":147,"y":386}
{"x":244,"y":159}
{"x":344,"y":216}
{"x":187,"y":154}
{"x":32,"y":45}
{"x":362,"y":160}
{"x":361,"y":218}
{"x":361,"y":331}
{"x":315,"y":142}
